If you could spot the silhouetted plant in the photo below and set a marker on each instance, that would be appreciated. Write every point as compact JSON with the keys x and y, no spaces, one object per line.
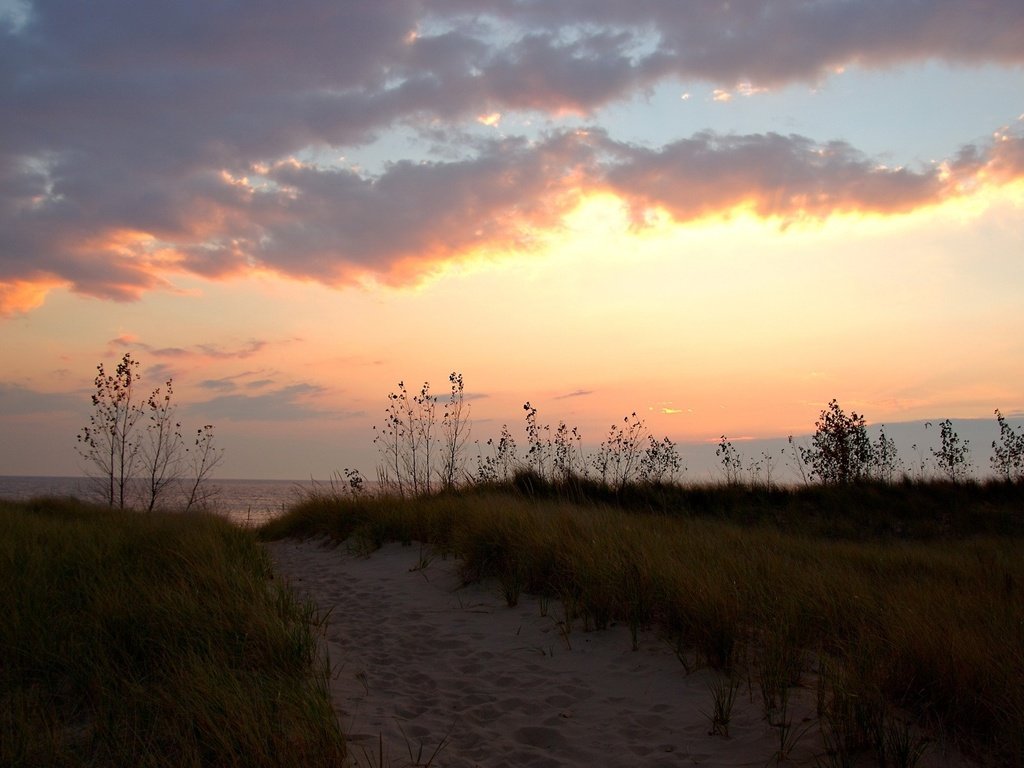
{"x":391,"y":441}
{"x":161,"y":451}
{"x":762,"y":469}
{"x":538,"y":437}
{"x":423,"y":418}
{"x":1008,"y":454}
{"x":953,"y":456}
{"x":922,"y":463}
{"x":109,"y":443}
{"x":568,"y":460}
{"x":798,"y":465}
{"x":204,"y":457}
{"x":456,"y":428}
{"x":355,"y":480}
{"x":840,"y":450}
{"x":732,"y":462}
{"x":502,"y":463}
{"x":886,"y":464}
{"x":153,"y":457}
{"x":618,"y":458}
{"x":661,"y":462}
{"x":407,"y":441}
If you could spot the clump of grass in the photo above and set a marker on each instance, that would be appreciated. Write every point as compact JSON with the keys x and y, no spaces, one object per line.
{"x":153,"y":640}
{"x":723,"y":691}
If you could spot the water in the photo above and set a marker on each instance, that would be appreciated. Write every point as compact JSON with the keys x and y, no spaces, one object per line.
{"x":247,"y":502}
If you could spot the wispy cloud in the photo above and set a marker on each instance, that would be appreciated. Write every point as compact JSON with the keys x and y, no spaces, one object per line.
{"x":210,"y":351}
{"x":575,"y":393}
{"x":290,"y":403}
{"x":18,"y":400}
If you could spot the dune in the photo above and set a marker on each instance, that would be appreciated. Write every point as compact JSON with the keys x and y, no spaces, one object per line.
{"x":430,"y":671}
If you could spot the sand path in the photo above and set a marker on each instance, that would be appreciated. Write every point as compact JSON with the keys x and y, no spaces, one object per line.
{"x":418,"y":657}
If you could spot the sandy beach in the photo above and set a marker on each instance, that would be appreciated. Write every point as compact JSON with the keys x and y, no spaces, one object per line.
{"x":421,"y":660}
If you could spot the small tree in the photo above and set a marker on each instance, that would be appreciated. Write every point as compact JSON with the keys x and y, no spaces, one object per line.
{"x":886,"y":464}
{"x":953,"y":457}
{"x":203,"y":458}
{"x":1008,"y":454}
{"x":110,"y":443}
{"x":133,"y":443}
{"x":732,"y":462}
{"x":840,"y":450}
{"x":162,"y":447}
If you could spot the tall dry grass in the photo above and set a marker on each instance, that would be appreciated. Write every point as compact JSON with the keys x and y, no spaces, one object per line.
{"x":927,"y":627}
{"x":153,"y":640}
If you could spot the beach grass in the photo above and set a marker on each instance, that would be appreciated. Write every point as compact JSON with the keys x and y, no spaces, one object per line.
{"x":153,"y":640}
{"x":902,"y":606}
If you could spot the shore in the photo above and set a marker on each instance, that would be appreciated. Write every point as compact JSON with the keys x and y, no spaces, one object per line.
{"x":421,"y":662}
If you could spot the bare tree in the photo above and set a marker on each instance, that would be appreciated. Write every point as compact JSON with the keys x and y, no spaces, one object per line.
{"x":110,"y":443}
{"x":204,"y":456}
{"x":135,"y":444}
{"x":162,"y":447}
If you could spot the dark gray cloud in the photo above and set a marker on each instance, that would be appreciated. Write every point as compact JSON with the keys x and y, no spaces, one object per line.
{"x":290,"y":403}
{"x":18,"y":400}
{"x":141,"y":139}
{"x":776,"y":176}
{"x":218,"y":385}
{"x":775,"y":41}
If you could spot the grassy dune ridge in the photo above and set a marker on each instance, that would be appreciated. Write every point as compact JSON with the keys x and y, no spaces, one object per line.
{"x":153,"y":640}
{"x":883,"y":599}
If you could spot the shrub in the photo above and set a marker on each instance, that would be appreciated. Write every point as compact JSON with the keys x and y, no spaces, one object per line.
{"x":840,"y":450}
{"x":953,"y":457}
{"x":1008,"y":454}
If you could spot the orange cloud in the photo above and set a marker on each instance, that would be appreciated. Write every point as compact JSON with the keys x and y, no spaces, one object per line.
{"x":20,"y":296}
{"x":402,"y":226}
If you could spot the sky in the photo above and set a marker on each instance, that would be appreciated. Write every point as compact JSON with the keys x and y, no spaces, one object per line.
{"x":718,"y":215}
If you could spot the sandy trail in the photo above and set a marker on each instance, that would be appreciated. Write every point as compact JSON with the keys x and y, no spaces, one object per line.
{"x":418,"y":657}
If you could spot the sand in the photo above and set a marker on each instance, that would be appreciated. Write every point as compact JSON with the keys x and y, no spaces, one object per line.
{"x":422,"y":661}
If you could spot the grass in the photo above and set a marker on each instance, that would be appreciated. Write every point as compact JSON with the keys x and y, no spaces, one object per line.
{"x":153,"y":640}
{"x":901,"y":599}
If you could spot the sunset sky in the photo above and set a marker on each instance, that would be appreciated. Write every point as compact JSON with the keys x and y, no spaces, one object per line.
{"x":720,"y":215}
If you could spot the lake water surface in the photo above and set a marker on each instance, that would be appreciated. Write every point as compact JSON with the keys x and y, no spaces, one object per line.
{"x":244,"y":501}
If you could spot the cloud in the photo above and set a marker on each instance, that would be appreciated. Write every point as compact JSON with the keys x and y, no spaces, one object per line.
{"x":778,"y":41}
{"x":219,"y":385}
{"x":338,"y":226}
{"x":773,"y":175}
{"x":17,"y":400}
{"x":142,"y":141}
{"x":289,"y":403}
{"x":213,"y":351}
{"x":576,"y":393}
